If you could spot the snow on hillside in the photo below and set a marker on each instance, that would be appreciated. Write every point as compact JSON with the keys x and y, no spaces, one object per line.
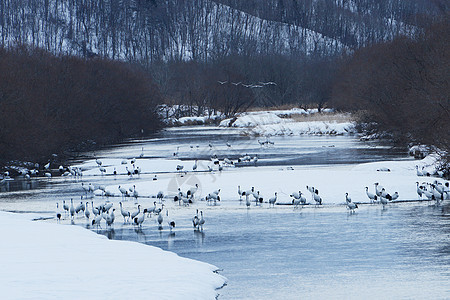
{"x":197,"y":36}
{"x":48,"y":261}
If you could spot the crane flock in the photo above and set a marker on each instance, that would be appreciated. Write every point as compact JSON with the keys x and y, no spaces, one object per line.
{"x":140,"y":214}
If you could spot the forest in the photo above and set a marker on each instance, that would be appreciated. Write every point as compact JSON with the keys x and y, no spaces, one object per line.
{"x":76,"y":73}
{"x":63,"y":104}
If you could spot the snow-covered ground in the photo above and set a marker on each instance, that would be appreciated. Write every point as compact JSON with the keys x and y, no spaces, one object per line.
{"x":48,"y":261}
{"x":269,"y":123}
{"x":332,"y":181}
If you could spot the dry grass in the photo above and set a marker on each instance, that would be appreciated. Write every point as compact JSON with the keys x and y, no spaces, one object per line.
{"x":324,"y":117}
{"x":280,"y":107}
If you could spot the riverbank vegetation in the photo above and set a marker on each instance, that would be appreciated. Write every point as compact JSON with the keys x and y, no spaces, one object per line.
{"x":402,"y":87}
{"x":386,"y":63}
{"x":59,"y":104}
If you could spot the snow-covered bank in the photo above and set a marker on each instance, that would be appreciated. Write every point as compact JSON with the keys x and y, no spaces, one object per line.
{"x":298,"y":128}
{"x":333,"y":181}
{"x":270,"y":124}
{"x":48,"y":261}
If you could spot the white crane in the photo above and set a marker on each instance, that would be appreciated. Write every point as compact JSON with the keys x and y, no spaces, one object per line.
{"x":384,"y":194}
{"x":394,"y":196}
{"x":258,"y":197}
{"x":129,"y":173}
{"x":195,"y":220}
{"x":107,"y":206}
{"x":437,"y":195}
{"x":371,"y":196}
{"x":79,"y":207}
{"x":317,"y":198}
{"x":102,"y":170}
{"x":419,"y":190}
{"x":171,"y":223}
{"x":87,"y":213}
{"x":159,"y":209}
{"x":351,"y":206}
{"x":160,"y":196}
{"x":296,"y":195}
{"x":135,"y":213}
{"x":125,"y":214}
{"x":97,"y":219}
{"x":312,"y":190}
{"x":302,"y":198}
{"x":149,"y":211}
{"x":65,"y":207}
{"x":123,"y":191}
{"x":296,"y":202}
{"x":160,"y":220}
{"x":91,"y":188}
{"x":110,"y":218}
{"x":134,"y":193}
{"x":228,"y":161}
{"x":273,"y":200}
{"x":71,"y":209}
{"x":58,"y":213}
{"x":201,"y":221}
{"x":192,"y":190}
{"x":139,"y":220}
{"x":419,"y":172}
{"x":194,"y":167}
{"x":240,"y":193}
{"x":299,"y":198}
{"x":213,"y":197}
{"x":99,"y":162}
{"x":94,"y":209}
{"x":347,"y":198}
{"x":383,"y":201}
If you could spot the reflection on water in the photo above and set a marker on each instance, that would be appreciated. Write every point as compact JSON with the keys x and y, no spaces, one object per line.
{"x":18,"y":184}
{"x":318,"y":253}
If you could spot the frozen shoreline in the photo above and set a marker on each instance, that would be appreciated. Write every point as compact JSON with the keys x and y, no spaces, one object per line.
{"x":41,"y":260}
{"x":268,"y":123}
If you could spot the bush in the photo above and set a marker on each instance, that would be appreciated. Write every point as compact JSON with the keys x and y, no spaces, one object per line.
{"x":54,"y":104}
{"x":403,"y":87}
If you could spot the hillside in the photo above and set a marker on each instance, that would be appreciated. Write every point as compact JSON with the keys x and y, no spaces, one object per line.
{"x":147,"y":31}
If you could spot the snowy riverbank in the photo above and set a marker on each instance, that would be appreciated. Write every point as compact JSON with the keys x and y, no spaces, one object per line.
{"x":269,"y":123}
{"x":332,"y":181}
{"x":48,"y":261}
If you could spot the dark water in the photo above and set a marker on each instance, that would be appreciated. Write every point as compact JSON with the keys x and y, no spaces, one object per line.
{"x":286,"y":150}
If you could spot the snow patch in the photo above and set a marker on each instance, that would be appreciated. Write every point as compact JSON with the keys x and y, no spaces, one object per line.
{"x":50,"y":261}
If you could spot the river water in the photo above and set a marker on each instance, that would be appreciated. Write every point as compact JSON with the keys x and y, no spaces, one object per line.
{"x":399,"y":252}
